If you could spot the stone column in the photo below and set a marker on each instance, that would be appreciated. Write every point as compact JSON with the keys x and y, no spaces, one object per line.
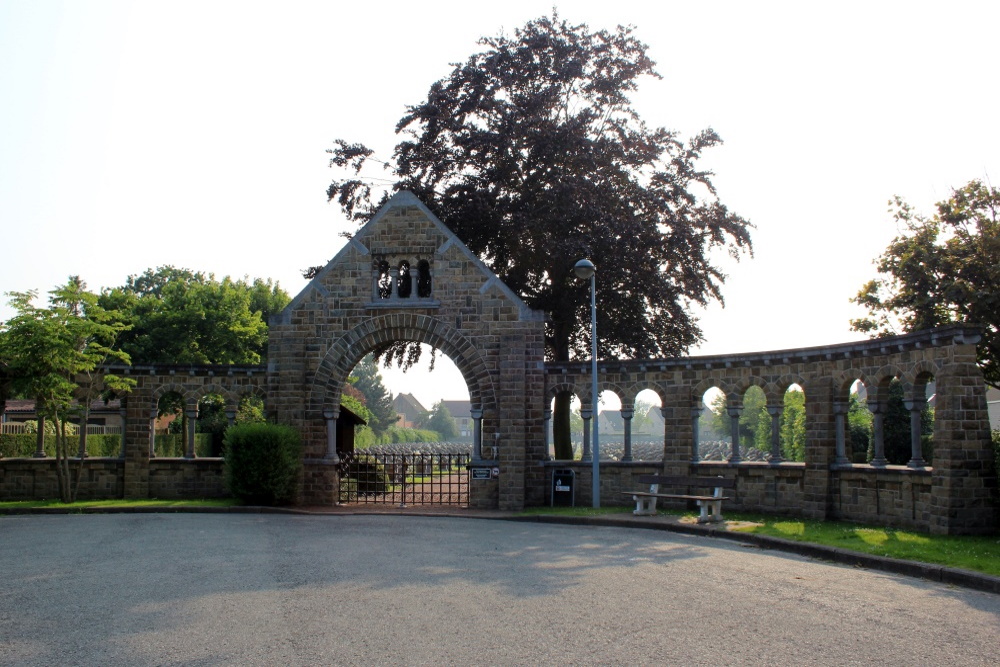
{"x":586,"y":414}
{"x":627,"y":414}
{"x":696,"y":431}
{"x":152,"y":432}
{"x":734,"y":426}
{"x":376,"y":279}
{"x":230,"y":417}
{"x":840,"y":417}
{"x":331,"y":417}
{"x":878,"y":419}
{"x":916,"y":407}
{"x":477,"y":434}
{"x":394,"y":274}
{"x":548,"y":443}
{"x":775,"y":412}
{"x":192,"y":416}
{"x":123,"y":413}
{"x":414,"y":281}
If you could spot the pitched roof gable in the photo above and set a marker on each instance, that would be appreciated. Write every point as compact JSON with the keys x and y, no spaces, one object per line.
{"x":354,"y":244}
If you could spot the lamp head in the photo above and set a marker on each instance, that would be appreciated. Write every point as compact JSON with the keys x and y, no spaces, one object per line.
{"x":584,"y":269}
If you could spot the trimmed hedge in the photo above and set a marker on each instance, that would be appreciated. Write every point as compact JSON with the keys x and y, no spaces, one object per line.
{"x":263,"y":462}
{"x":22,"y":445}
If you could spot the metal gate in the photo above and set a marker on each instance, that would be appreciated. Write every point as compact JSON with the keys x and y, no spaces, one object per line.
{"x":403,"y":479}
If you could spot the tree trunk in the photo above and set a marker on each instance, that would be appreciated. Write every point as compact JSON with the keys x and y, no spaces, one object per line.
{"x":561,"y":439}
{"x":62,"y":461}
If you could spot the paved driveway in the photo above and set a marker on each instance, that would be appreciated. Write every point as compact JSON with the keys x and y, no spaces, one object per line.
{"x":209,"y":589}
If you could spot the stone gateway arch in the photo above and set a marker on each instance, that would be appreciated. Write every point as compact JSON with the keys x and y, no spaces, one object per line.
{"x":404,"y":276}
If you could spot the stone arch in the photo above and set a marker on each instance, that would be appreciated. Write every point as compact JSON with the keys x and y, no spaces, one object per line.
{"x":698,"y":392}
{"x":918,"y":377}
{"x":615,"y":388}
{"x":844,"y":380}
{"x":174,"y":387}
{"x":555,"y":389}
{"x":345,"y":353}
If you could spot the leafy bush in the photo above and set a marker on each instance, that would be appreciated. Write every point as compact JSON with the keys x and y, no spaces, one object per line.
{"x":368,"y":477}
{"x":996,"y":450}
{"x":263,"y":462}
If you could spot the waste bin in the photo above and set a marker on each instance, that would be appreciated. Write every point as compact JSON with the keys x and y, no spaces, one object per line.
{"x":563,"y":485}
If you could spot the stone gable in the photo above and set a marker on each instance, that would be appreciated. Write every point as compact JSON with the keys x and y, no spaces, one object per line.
{"x":405,"y":277}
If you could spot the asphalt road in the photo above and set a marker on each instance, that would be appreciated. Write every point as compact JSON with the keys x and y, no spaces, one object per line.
{"x":211,"y":589}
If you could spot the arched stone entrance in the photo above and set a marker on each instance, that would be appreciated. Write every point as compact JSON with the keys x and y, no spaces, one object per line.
{"x":405,"y":277}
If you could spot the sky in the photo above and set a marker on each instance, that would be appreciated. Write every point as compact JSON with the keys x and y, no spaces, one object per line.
{"x":193,"y":133}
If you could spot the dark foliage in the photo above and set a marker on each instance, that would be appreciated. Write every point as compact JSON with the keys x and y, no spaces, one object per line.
{"x":941,"y":270}
{"x":263,"y":462}
{"x":532,"y":154}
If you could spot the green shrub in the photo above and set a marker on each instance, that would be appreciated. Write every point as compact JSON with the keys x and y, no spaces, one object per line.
{"x":365,"y":477}
{"x":263,"y":462}
{"x":996,"y":450}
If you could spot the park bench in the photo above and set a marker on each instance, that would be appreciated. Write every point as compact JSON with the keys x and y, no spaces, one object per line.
{"x":710,"y":505}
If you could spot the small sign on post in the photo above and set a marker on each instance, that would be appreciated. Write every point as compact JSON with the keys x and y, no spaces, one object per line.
{"x":563,"y":483}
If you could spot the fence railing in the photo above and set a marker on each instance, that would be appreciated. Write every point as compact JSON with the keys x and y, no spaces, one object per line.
{"x":403,"y":479}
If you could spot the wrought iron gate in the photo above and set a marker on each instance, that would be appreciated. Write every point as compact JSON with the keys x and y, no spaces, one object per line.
{"x":411,"y":478}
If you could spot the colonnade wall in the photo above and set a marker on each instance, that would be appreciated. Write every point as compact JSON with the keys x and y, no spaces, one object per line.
{"x":137,"y":472}
{"x":956,"y":494}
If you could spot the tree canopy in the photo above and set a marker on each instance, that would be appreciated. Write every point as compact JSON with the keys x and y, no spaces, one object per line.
{"x":941,"y":270}
{"x":184,"y":317}
{"x":532,"y":153}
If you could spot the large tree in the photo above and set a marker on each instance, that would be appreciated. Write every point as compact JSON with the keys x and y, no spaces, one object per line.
{"x":940,"y":270}
{"x":532,"y":153}
{"x":187,"y":317}
{"x":53,"y":355}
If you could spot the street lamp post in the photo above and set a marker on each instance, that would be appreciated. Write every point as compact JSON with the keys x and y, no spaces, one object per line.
{"x":585,"y":269}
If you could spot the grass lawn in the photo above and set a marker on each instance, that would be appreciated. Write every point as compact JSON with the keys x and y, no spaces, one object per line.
{"x":979,"y":554}
{"x":83,"y":504}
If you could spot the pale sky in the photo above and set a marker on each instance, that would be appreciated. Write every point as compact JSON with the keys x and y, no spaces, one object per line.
{"x":193,"y":133}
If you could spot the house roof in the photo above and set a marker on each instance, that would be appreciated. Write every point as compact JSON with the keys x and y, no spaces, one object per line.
{"x":459,"y":409}
{"x":408,"y":405}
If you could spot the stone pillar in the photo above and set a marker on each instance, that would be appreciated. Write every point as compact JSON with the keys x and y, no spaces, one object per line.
{"x":192,"y":416}
{"x":840,"y":417}
{"x":414,"y":281}
{"x":916,"y":407}
{"x":586,"y":414}
{"x":123,"y":413}
{"x":734,"y":427}
{"x":627,"y":414}
{"x":331,"y":417}
{"x":878,"y":437}
{"x":394,"y":274}
{"x":964,"y":479}
{"x":40,"y":439}
{"x":230,"y":417}
{"x":376,"y":279}
{"x":696,"y":431}
{"x":477,"y":434}
{"x":548,"y":443}
{"x":775,"y":412}
{"x":152,"y":432}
